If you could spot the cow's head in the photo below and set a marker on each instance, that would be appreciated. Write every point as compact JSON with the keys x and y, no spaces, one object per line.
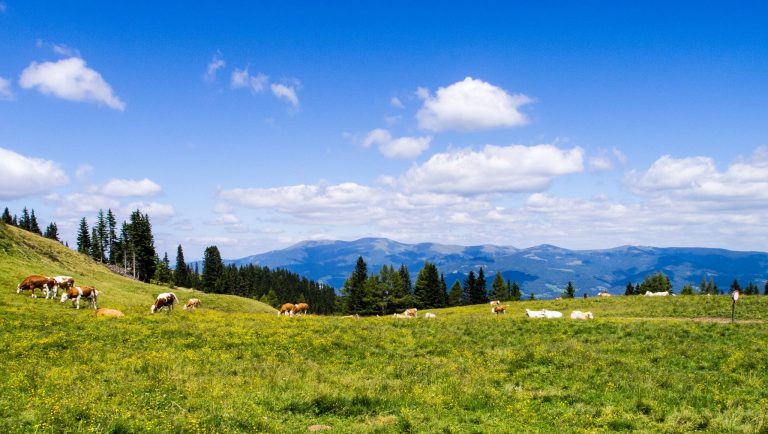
{"x":64,"y":297}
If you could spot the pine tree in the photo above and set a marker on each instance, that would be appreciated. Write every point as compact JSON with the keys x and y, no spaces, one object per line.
{"x":765,"y":290}
{"x":427,"y":288}
{"x":515,"y":293}
{"x":703,"y":286}
{"x":163,"y":271}
{"x":83,"y":238}
{"x":469,"y":288}
{"x":33,"y":226}
{"x":95,"y":253}
{"x":102,"y":237}
{"x":499,"y":289}
{"x":181,"y":273}
{"x":354,"y":288}
{"x":735,"y":286}
{"x":482,"y":287}
{"x":52,"y":232}
{"x":687,"y":289}
{"x":142,"y":246}
{"x":24,"y":221}
{"x":630,"y":289}
{"x":213,"y":270}
{"x":455,"y":295}
{"x":111,"y":236}
{"x":570,"y":291}
{"x":6,"y":218}
{"x":15,"y":221}
{"x":443,"y":292}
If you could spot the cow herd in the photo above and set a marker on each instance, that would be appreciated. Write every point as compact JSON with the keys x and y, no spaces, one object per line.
{"x":50,"y":286}
{"x":290,"y":309}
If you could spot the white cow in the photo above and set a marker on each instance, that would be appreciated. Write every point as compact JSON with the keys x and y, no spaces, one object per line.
{"x":544,"y":313}
{"x":577,"y":314}
{"x":656,"y":294}
{"x":430,"y":315}
{"x":401,"y":315}
{"x":495,"y":302}
{"x":604,"y":294}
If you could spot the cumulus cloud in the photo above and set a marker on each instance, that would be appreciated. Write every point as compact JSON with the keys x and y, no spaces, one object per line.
{"x":402,"y":147}
{"x":84,"y":171}
{"x":78,"y":204}
{"x":396,"y":103}
{"x":60,"y":49}
{"x":242,"y":78}
{"x":697,"y":178}
{"x":225,"y":220}
{"x":216,"y":63}
{"x":470,"y":105}
{"x":72,"y":80}
{"x":303,"y":197}
{"x":5,"y":90}
{"x":158,"y":212}
{"x":494,"y":169}
{"x":130,"y":187}
{"x":22,"y":176}
{"x":286,"y":92}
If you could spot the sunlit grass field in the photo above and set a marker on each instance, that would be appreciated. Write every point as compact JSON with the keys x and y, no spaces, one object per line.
{"x":644,"y":364}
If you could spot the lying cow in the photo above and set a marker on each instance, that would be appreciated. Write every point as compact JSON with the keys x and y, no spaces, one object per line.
{"x":192,"y":303}
{"x":495,"y":302}
{"x":430,"y":315}
{"x":604,"y":294}
{"x":498,"y":309}
{"x":286,"y":309}
{"x":114,"y":313}
{"x":301,"y":308}
{"x":164,"y":300}
{"x":402,"y":315}
{"x":35,"y":281}
{"x":77,"y":292}
{"x":656,"y":294}
{"x":543,"y":313}
{"x":412,"y":312}
{"x":577,"y":314}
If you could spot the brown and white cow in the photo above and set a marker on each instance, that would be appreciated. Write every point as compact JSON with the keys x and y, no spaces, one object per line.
{"x":164,"y":300}
{"x":495,"y":303}
{"x":77,"y":292}
{"x":192,"y":303}
{"x":46,"y":284}
{"x":412,"y":312}
{"x":286,"y":309}
{"x":113,"y":313}
{"x":300,"y":308}
{"x":499,"y":309}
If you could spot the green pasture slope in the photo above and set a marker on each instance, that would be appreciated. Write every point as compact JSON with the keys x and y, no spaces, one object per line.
{"x":644,"y":364}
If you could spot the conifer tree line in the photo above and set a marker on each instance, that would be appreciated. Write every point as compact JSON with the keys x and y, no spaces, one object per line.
{"x":28,"y":222}
{"x":390,"y":290}
{"x":659,"y":282}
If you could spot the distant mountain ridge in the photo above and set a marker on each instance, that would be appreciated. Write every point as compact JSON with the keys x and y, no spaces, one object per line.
{"x":543,"y":270}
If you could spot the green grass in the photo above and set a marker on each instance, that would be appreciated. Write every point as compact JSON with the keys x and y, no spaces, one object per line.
{"x":643,"y":365}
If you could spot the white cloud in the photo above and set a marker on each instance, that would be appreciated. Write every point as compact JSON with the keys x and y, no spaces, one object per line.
{"x":158,"y":212}
{"x":78,"y":204}
{"x":600,"y":163}
{"x":286,"y":92}
{"x":70,"y":79}
{"x":242,"y":78}
{"x":698,"y":179}
{"x":225,"y":219}
{"x":303,"y":197}
{"x":60,"y":49}
{"x":402,"y":147}
{"x":396,"y":103}
{"x":5,"y":90}
{"x":22,"y":176}
{"x":470,"y":105}
{"x":495,"y":169}
{"x":216,"y":63}
{"x":84,"y":171}
{"x":130,"y":187}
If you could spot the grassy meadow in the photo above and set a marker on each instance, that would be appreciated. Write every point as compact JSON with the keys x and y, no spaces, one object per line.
{"x":657,"y":364}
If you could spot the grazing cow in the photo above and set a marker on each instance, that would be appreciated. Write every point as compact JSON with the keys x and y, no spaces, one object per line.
{"x":300,"y":308}
{"x":35,"y":281}
{"x":604,"y":294}
{"x":495,"y":302}
{"x":430,"y":315}
{"x":164,"y":300}
{"x":412,"y":312}
{"x":63,"y":282}
{"x":498,"y":309}
{"x":577,"y":314}
{"x":114,"y":313}
{"x":192,"y":303}
{"x":543,"y":313}
{"x":656,"y":294}
{"x":286,"y":309}
{"x":77,"y":292}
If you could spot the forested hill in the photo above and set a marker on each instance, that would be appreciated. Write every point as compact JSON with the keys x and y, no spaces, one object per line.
{"x":543,"y":270}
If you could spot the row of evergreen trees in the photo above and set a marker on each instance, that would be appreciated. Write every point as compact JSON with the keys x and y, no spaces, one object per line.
{"x":391,"y":290}
{"x":659,"y":282}
{"x":28,"y":222}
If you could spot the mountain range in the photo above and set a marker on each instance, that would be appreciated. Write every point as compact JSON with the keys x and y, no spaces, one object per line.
{"x":543,"y":270}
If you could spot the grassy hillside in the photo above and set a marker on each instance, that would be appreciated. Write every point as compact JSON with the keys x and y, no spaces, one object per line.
{"x":651,"y":365}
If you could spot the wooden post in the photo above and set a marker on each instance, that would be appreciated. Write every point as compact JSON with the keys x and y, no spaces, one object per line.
{"x":735,"y":297}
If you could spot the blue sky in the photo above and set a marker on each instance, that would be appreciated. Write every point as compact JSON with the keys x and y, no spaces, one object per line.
{"x":255,"y":126}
